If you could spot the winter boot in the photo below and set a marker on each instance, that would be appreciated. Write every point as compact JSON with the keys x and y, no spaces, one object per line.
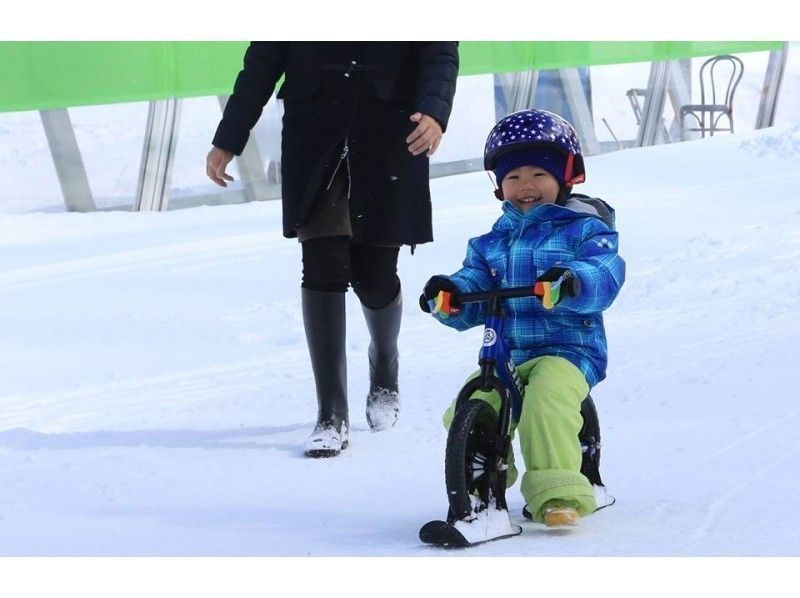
{"x":558,"y":514}
{"x":383,"y":400}
{"x":324,"y":322}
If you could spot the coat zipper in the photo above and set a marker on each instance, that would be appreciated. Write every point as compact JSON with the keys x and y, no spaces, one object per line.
{"x":349,"y":178}
{"x":342,"y":156}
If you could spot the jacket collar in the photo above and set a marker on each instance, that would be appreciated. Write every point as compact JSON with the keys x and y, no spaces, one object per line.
{"x":513,"y":217}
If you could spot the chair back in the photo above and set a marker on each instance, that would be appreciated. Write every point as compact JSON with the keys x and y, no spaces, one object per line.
{"x":719,"y":77}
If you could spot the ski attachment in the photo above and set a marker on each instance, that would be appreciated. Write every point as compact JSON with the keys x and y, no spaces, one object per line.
{"x":446,"y":535}
{"x":485,"y":525}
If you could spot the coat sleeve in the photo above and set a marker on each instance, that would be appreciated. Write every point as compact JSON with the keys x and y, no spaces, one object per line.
{"x":264,"y":63}
{"x":598,"y":266}
{"x":436,"y":81}
{"x":472,"y":277}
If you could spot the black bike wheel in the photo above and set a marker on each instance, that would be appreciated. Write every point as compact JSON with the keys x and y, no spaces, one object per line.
{"x":471,"y":459}
{"x":589,"y":437}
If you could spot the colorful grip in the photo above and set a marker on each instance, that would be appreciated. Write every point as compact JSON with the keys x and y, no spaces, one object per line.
{"x":548,"y":292}
{"x":441,"y":306}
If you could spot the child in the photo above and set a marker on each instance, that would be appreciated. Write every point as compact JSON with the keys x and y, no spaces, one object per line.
{"x":546,"y":233}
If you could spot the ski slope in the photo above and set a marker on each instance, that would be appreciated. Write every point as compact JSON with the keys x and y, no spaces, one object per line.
{"x":156,"y":392}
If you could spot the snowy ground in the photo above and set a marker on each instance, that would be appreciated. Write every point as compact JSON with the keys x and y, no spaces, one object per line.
{"x":156,"y":393}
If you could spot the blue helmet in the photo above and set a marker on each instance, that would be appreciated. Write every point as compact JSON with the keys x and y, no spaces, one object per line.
{"x":528,"y":129}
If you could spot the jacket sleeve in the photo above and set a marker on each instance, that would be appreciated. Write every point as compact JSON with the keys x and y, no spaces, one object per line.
{"x":474,"y":276}
{"x":598,"y":266}
{"x":264,"y":63}
{"x":436,"y":82}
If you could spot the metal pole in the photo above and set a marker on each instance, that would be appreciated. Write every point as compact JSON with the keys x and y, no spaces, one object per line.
{"x":67,"y":160}
{"x":579,"y":107}
{"x":519,"y":89}
{"x":158,"y":155}
{"x":680,"y":93}
{"x":772,"y":87}
{"x":653,"y":104}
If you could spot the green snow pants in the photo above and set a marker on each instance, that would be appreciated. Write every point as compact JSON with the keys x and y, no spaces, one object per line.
{"x":548,"y":434}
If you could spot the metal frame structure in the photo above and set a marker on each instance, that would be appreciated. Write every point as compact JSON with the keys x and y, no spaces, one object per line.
{"x":668,"y":78}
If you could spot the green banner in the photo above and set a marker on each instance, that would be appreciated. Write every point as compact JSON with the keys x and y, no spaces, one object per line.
{"x":47,"y":75}
{"x":500,"y":57}
{"x":44,"y":75}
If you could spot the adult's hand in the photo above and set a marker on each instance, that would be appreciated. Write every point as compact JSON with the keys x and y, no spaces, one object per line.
{"x":216,"y":161}
{"x":426,"y":137}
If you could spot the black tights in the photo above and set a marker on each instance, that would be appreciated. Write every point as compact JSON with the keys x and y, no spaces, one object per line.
{"x":332,"y":263}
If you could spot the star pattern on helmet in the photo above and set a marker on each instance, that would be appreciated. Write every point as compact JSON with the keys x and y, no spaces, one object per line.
{"x":533,"y":126}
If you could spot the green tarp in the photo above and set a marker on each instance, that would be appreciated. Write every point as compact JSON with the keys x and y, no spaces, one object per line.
{"x":47,"y":75}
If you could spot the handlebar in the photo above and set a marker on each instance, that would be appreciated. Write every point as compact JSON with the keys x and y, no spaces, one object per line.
{"x":528,"y":291}
{"x":511,"y":293}
{"x":544,"y":290}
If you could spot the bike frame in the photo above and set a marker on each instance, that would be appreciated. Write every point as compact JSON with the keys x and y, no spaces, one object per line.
{"x":498,"y":372}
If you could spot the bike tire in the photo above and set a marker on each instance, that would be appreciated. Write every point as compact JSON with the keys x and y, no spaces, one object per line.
{"x":471,"y":458}
{"x":589,"y":437}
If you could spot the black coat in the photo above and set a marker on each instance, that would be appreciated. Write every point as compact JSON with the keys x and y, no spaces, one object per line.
{"x":356,"y":93}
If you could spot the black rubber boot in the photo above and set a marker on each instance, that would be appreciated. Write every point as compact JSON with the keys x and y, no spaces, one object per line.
{"x":324,"y":322}
{"x":383,"y":400}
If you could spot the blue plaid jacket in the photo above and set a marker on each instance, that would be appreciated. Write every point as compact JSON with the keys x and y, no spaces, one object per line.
{"x":519,"y":248}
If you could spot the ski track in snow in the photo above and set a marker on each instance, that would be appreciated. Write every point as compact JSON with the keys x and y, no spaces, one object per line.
{"x":183,"y":256}
{"x":749,"y":479}
{"x":140,"y":394}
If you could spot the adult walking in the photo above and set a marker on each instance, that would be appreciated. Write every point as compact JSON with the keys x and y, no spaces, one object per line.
{"x":360,"y":121}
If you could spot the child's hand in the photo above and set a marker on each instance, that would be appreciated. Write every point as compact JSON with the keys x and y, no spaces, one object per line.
{"x":440,"y":297}
{"x":555,"y":284}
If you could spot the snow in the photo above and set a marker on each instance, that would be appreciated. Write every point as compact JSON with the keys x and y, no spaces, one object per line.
{"x":157,"y":397}
{"x":383,"y":408}
{"x":490,"y":522}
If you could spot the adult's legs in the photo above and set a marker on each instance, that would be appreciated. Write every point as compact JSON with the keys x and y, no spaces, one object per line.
{"x":330,"y":265}
{"x":375,"y":281}
{"x":326,"y":274}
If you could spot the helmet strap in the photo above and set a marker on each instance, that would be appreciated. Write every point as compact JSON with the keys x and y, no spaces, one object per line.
{"x":498,"y":191}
